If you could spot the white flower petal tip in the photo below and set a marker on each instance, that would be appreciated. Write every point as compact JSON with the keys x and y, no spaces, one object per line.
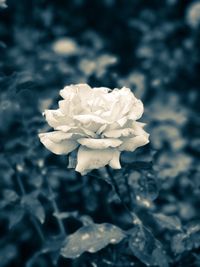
{"x":131,"y":144}
{"x":54,"y":117}
{"x":75,"y":89}
{"x":100,"y":121}
{"x":115,"y":163}
{"x":89,"y":159}
{"x":57,"y":147}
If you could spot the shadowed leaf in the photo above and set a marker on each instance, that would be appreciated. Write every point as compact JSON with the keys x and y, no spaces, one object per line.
{"x":169,"y":222}
{"x":33,"y":205}
{"x":91,"y":238}
{"x":146,"y":248}
{"x":144,"y":185}
{"x":15,"y":217}
{"x":187,"y":241}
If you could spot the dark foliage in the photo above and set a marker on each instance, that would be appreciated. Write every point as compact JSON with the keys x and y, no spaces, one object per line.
{"x":47,"y":210}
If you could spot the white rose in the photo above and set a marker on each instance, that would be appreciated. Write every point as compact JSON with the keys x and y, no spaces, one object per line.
{"x":98,"y":122}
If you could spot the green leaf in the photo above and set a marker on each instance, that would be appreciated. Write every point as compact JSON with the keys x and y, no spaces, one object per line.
{"x":33,"y":206}
{"x":15,"y":217}
{"x":178,"y":244}
{"x":146,"y":248}
{"x":9,"y":197}
{"x":168,"y":222}
{"x":145,"y":186}
{"x":187,"y":241}
{"x":51,"y":247}
{"x":65,"y":215}
{"x":7,"y":253}
{"x":91,"y":238}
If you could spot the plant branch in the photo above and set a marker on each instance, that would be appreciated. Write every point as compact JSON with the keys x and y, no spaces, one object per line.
{"x":128,"y":190}
{"x":132,"y":215}
{"x":56,"y":209}
{"x":23,"y":193}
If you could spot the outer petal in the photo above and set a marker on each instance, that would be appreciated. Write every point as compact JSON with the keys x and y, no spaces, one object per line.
{"x":89,"y":159}
{"x":83,"y":89}
{"x":57,"y":136}
{"x":64,"y":128}
{"x":59,"y":147}
{"x":76,"y":98}
{"x":138,"y":128}
{"x":130,"y":144}
{"x":115,"y":163}
{"x":137,"y":110}
{"x":125,"y":106}
{"x":103,"y":90}
{"x":55,"y":118}
{"x":69,"y":108}
{"x":99,"y":143}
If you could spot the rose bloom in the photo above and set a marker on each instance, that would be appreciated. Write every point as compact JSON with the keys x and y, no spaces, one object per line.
{"x":98,"y":123}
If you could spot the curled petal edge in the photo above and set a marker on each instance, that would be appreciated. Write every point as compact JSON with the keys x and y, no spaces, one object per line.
{"x":88,"y":159}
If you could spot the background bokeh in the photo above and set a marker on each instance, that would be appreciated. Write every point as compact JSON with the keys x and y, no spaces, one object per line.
{"x":152,"y":47}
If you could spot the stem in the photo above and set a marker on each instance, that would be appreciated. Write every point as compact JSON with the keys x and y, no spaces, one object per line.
{"x":33,"y":220}
{"x":129,"y":191}
{"x":56,"y":210}
{"x":38,"y":228}
{"x":20,"y":184}
{"x":132,"y":215}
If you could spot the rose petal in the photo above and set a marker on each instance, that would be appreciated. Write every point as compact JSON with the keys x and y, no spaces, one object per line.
{"x":55,"y":118}
{"x":113,"y":126}
{"x":83,"y":89}
{"x":69,"y":108}
{"x":129,"y":104}
{"x":87,"y":118}
{"x":138,"y":128}
{"x":101,"y":129}
{"x":122,"y":121}
{"x":64,"y":146}
{"x":125,"y":105}
{"x":103,"y":90}
{"x":130,"y":144}
{"x":57,"y":136}
{"x":99,"y":143}
{"x":89,"y":159}
{"x":75,"y":98}
{"x":136,"y":111}
{"x":77,"y":130}
{"x":115,"y":163}
{"x":91,"y":122}
{"x":64,"y":128}
{"x":119,"y":133}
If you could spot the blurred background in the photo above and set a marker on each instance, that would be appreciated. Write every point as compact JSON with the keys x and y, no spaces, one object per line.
{"x":152,"y":47}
